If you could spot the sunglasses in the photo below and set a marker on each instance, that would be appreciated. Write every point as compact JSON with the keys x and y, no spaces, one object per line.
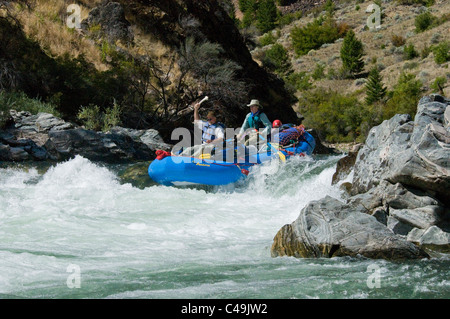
{"x":210,"y":118}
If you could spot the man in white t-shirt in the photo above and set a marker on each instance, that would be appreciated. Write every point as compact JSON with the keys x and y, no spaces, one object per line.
{"x":213,"y":133}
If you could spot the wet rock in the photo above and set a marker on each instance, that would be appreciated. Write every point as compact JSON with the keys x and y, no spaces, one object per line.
{"x":149,"y":137}
{"x":330,"y":228}
{"x":96,"y":146}
{"x":400,"y":183}
{"x":44,"y":136}
{"x":433,"y":238}
{"x":414,"y":153}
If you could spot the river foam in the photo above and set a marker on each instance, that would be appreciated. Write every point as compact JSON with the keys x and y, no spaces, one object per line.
{"x":173,"y":242}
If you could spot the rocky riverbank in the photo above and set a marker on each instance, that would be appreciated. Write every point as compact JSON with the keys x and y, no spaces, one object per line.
{"x":46,"y":137}
{"x":398,"y":201}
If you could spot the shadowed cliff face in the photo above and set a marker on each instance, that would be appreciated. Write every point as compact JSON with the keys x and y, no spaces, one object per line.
{"x":164,"y":19}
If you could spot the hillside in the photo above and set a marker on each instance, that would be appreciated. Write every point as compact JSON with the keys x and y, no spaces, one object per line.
{"x":378,"y":47}
{"x":141,"y":63}
{"x":151,"y":58}
{"x":318,"y":72}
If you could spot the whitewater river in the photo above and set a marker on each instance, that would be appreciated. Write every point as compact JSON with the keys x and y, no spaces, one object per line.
{"x":79,"y":230}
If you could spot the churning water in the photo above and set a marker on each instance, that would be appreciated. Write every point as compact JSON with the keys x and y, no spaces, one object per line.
{"x":77,"y":230}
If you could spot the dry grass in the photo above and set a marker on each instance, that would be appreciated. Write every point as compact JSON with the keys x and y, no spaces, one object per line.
{"x":46,"y":24}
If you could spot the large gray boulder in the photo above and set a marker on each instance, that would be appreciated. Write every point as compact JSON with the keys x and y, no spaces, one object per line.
{"x":414,"y":153}
{"x":47,"y":137}
{"x":399,"y":198}
{"x":330,"y":228}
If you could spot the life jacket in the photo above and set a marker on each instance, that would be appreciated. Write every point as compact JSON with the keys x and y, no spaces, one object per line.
{"x":209,"y":131}
{"x":254,"y":121}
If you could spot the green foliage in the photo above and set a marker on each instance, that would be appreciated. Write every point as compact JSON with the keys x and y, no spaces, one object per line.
{"x":319,"y":71}
{"x":284,"y":2}
{"x":343,"y":118}
{"x":421,"y":2}
{"x":425,"y":52}
{"x":245,"y":5}
{"x":375,"y":91}
{"x":298,"y":81}
{"x":288,"y":18}
{"x":91,"y":117}
{"x":112,"y":117}
{"x":262,"y":13}
{"x":266,"y":15}
{"x":405,"y":96}
{"x":314,"y":35}
{"x":351,"y":53}
{"x":94,"y":119}
{"x":336,"y":117}
{"x":439,"y":84}
{"x":19,"y":101}
{"x":276,"y":59}
{"x":441,"y":52}
{"x":248,"y":18}
{"x":409,"y":52}
{"x":329,"y":6}
{"x":267,"y":39}
{"x":424,"y":21}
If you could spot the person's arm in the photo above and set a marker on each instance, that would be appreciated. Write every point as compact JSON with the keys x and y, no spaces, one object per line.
{"x":196,"y":115}
{"x":266,"y":123}
{"x":244,"y":126}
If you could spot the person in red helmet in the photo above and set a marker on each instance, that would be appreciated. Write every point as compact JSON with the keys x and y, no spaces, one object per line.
{"x":276,"y":124}
{"x":276,"y":127}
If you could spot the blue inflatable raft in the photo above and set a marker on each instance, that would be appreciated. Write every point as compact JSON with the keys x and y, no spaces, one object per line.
{"x":168,"y":169}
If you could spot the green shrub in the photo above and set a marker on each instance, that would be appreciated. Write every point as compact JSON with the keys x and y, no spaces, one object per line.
{"x":438,"y":85}
{"x":336,"y":117}
{"x":298,"y":81}
{"x":276,"y":58}
{"x":351,"y":53}
{"x":319,"y":72}
{"x":425,"y":52}
{"x":441,"y":52}
{"x":267,"y":39}
{"x":112,"y":117}
{"x":409,"y":52}
{"x":91,"y":117}
{"x":94,"y":119}
{"x":424,"y":21}
{"x":266,"y":15}
{"x":375,"y":90}
{"x":288,"y":18}
{"x":19,"y":101}
{"x":315,"y":34}
{"x":405,"y":96}
{"x":411,"y":2}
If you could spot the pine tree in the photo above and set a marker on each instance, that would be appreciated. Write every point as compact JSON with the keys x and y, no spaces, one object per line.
{"x":374,"y":87}
{"x":351,"y":53}
{"x":267,"y":15}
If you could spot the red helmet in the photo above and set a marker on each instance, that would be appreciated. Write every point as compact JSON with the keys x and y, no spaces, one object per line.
{"x":276,"y":123}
